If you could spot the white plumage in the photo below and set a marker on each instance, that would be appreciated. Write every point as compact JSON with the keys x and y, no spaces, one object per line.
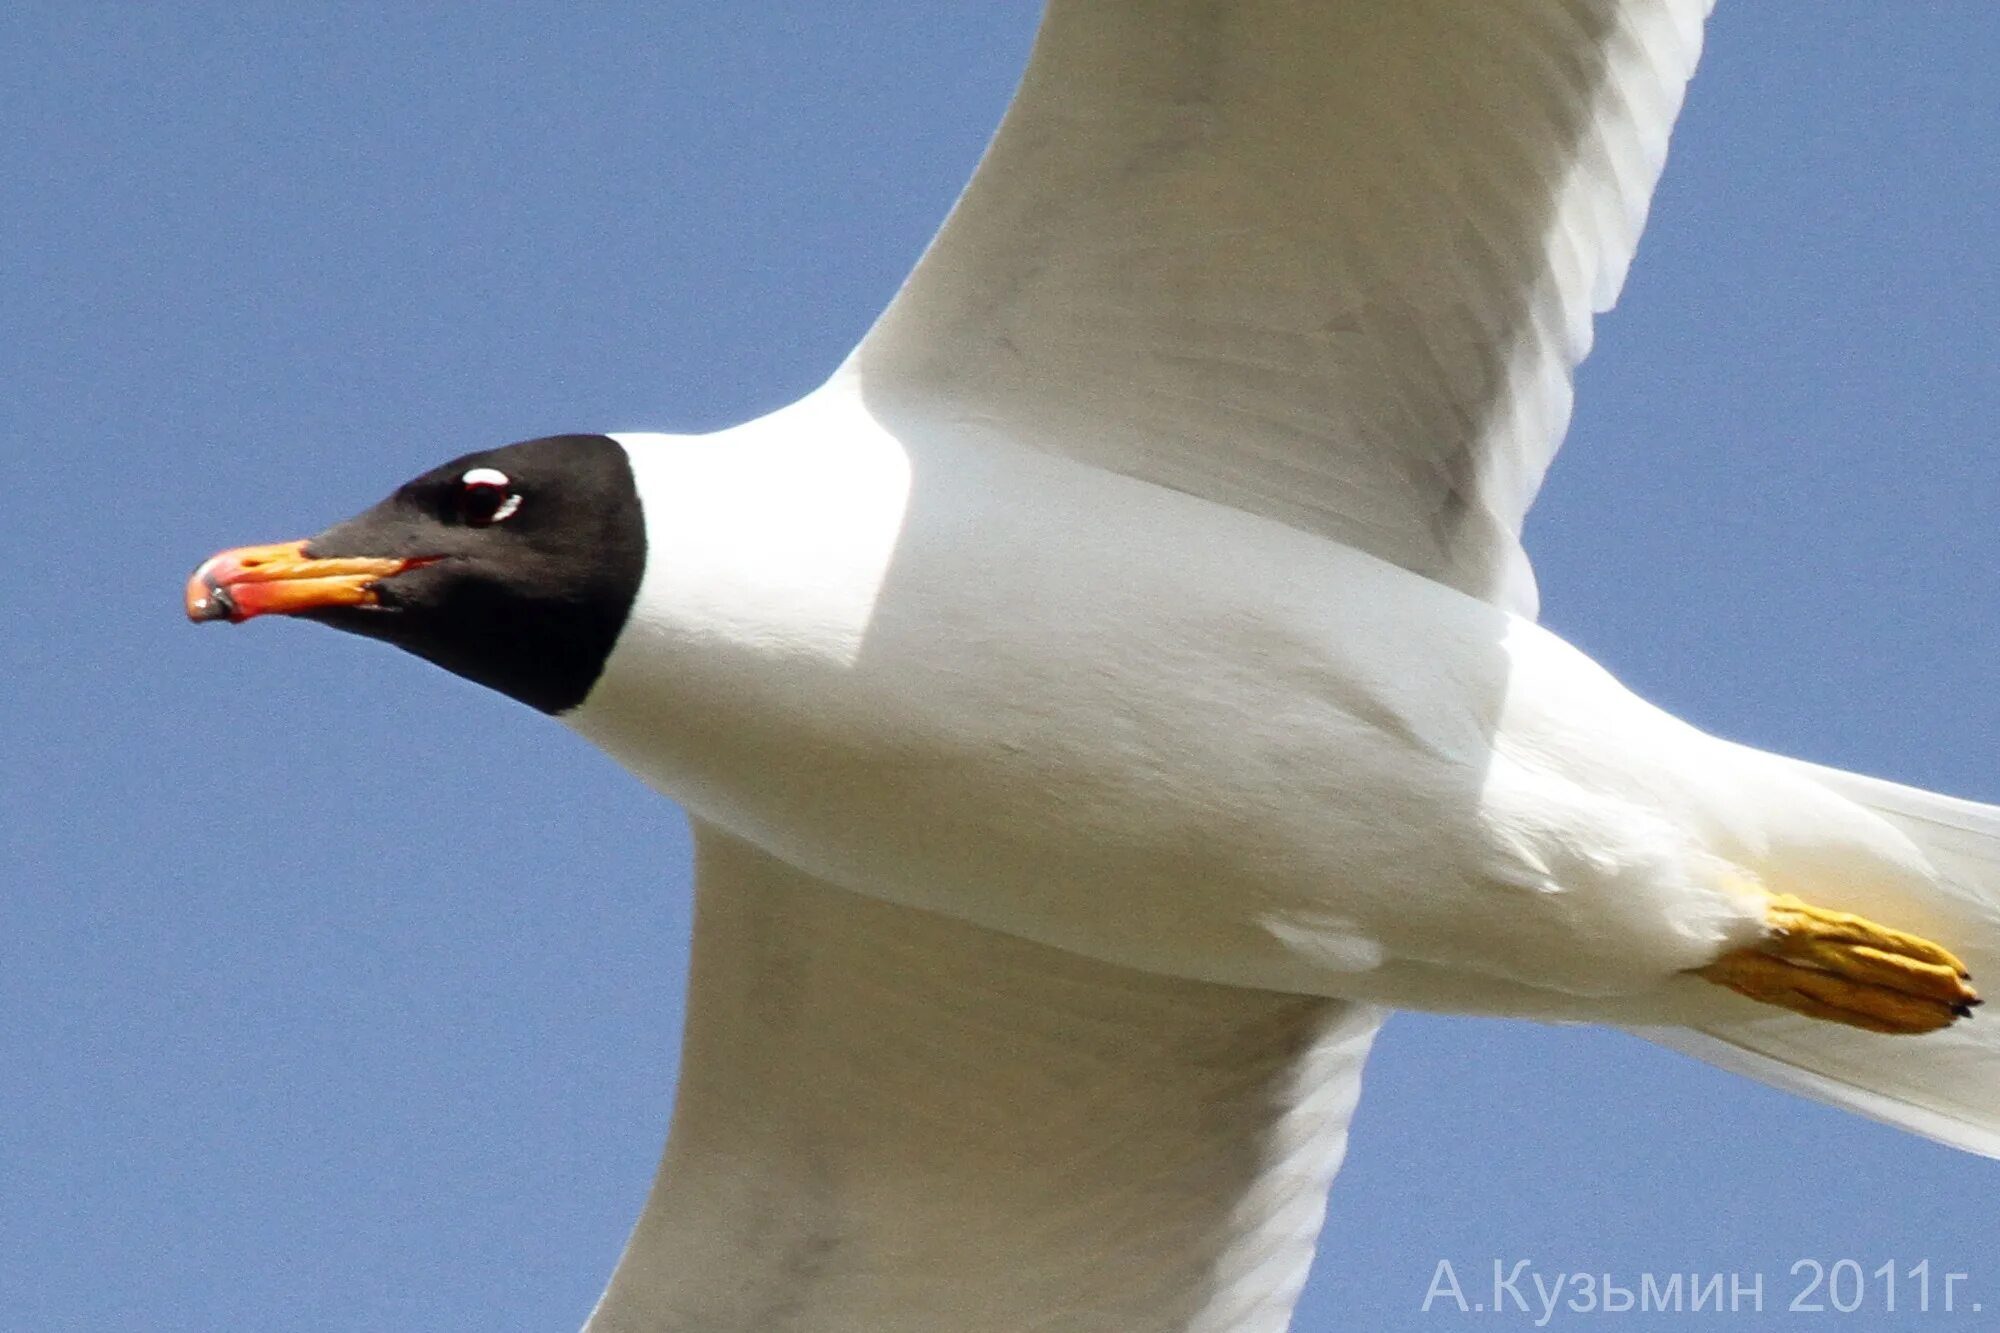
{"x":1122,"y":675}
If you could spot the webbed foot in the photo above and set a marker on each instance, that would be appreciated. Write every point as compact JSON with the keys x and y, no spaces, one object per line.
{"x":1846,"y":969}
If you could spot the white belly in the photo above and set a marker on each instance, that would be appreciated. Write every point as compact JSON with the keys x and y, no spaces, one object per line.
{"x":1143,"y":727}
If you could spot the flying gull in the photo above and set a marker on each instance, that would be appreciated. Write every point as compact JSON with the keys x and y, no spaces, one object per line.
{"x":1119,"y":684}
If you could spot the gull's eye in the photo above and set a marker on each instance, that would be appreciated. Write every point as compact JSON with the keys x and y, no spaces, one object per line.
{"x":485,"y":496}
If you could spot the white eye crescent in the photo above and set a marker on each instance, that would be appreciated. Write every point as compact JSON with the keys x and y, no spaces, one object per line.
{"x":485,"y":496}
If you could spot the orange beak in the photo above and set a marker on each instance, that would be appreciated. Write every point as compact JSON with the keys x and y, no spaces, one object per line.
{"x":282,"y":579}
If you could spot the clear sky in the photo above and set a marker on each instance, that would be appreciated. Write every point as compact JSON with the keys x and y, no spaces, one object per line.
{"x":338,"y":994}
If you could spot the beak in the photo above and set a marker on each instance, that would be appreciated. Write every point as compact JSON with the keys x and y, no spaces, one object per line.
{"x":284,"y":580}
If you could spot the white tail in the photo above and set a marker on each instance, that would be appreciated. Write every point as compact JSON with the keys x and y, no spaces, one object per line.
{"x":1946,"y":1085}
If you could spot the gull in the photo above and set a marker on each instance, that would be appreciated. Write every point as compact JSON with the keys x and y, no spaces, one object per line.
{"x":1119,"y":685}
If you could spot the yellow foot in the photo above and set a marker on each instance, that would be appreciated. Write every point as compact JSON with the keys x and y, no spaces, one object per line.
{"x":1847,"y":969}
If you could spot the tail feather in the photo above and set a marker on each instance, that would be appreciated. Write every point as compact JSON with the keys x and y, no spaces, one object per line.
{"x":1945,"y":1086}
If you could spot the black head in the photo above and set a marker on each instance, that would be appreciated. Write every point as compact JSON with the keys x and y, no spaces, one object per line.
{"x":514,"y":567}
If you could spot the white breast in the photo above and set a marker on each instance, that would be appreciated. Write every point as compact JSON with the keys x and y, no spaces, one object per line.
{"x":1106,"y":716}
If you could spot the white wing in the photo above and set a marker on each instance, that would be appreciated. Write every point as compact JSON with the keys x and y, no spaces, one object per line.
{"x":890,"y":1122}
{"x":1331,"y":261}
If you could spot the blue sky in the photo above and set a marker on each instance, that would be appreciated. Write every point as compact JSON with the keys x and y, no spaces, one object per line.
{"x":338,"y":994}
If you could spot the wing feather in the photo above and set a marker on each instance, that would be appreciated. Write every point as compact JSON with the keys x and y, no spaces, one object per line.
{"x":890,"y":1122}
{"x":1330,"y":261}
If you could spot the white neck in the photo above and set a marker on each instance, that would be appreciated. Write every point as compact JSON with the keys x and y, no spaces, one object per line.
{"x":784,"y":525}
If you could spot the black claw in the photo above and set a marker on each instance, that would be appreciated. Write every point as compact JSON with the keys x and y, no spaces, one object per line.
{"x":1964,"y":1010}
